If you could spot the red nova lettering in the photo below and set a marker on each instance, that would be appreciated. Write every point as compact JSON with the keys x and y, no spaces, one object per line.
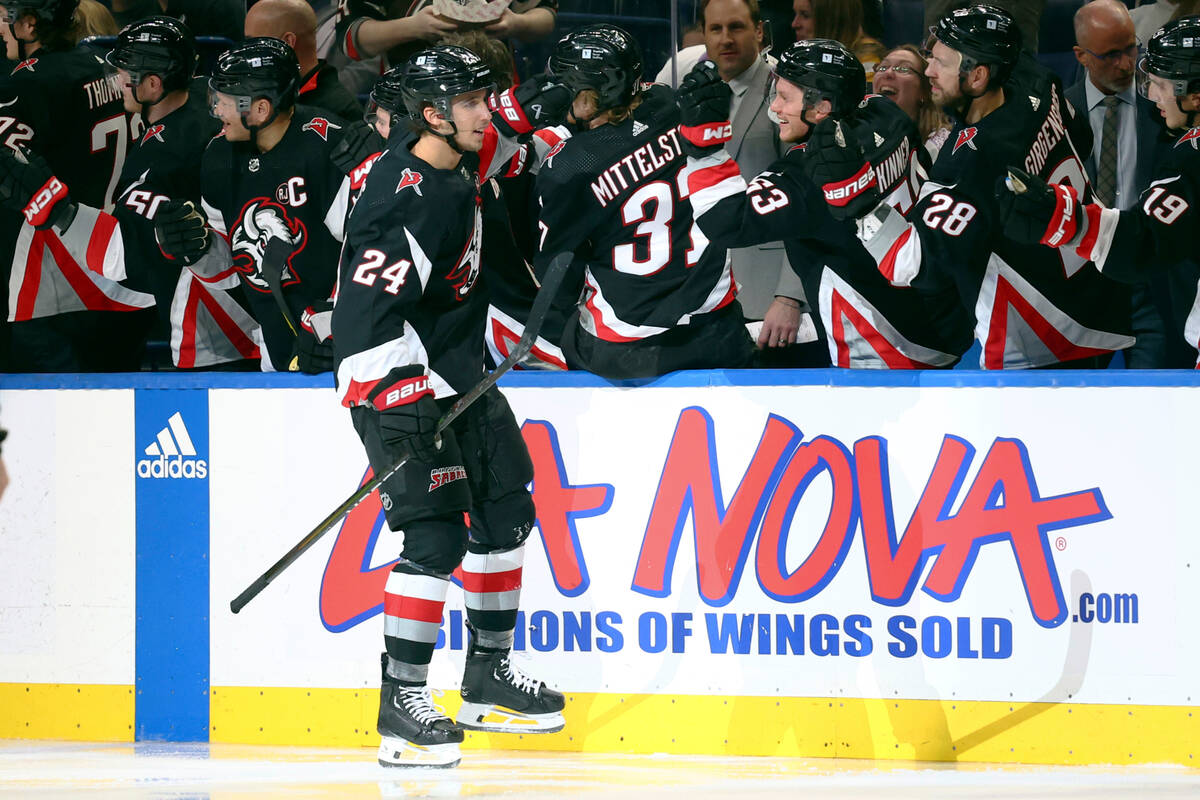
{"x":1002,"y":503}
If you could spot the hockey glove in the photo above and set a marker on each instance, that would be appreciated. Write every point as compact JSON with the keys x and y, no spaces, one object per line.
{"x":540,"y":102}
{"x":313,"y":351}
{"x":1035,"y":212}
{"x":703,"y":100}
{"x":181,"y":231}
{"x":27,"y":185}
{"x":359,"y":143}
{"x":408,"y":414}
{"x":834,"y":161}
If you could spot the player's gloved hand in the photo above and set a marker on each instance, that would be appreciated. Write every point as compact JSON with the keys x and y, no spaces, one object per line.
{"x":835,"y":162}
{"x":539,"y":102}
{"x":408,"y":414}
{"x":313,"y":351}
{"x":27,"y":185}
{"x":359,"y":143}
{"x":1035,"y":212}
{"x":181,"y":231}
{"x":703,"y":100}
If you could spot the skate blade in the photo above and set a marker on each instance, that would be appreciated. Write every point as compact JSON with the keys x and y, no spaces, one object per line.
{"x":395,"y":752}
{"x":494,"y":719}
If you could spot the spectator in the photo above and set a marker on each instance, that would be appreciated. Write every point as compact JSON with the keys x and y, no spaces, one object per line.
{"x":769,"y":291}
{"x":1149,"y":17}
{"x":841,"y":20}
{"x":802,"y":22}
{"x":94,"y":19}
{"x":203,"y":17}
{"x":366,"y":28}
{"x":294,"y":22}
{"x":1124,"y":132}
{"x":900,"y":75}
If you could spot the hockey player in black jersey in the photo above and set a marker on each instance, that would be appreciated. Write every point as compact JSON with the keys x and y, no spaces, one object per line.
{"x":1158,"y":232}
{"x":866,"y":322}
{"x":1031,"y":307}
{"x":657,"y":296}
{"x":408,"y":333}
{"x":155,"y":58}
{"x":63,"y":103}
{"x":277,"y":200}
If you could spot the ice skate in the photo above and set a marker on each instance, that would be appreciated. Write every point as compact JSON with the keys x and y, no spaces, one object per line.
{"x":414,"y":732}
{"x":500,"y":698}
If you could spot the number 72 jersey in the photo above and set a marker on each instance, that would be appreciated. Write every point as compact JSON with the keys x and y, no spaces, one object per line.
{"x":66,"y":106}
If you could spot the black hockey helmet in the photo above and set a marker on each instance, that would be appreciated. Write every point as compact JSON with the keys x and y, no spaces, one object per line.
{"x":985,"y":36}
{"x":602,"y":58}
{"x":57,"y":14}
{"x":161,"y":46}
{"x":826,"y":70}
{"x":436,"y":75}
{"x":258,"y":67}
{"x":388,"y":92}
{"x":1173,"y":54}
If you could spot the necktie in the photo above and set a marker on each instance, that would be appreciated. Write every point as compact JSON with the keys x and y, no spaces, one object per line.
{"x":1106,"y":172}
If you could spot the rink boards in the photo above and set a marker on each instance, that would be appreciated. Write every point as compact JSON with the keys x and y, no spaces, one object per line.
{"x":954,"y":566}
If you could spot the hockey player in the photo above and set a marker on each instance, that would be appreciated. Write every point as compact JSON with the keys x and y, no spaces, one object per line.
{"x":155,"y":58}
{"x":867,"y":322}
{"x":1157,"y":232}
{"x":273,"y":193}
{"x":657,"y":295}
{"x":1031,"y":307}
{"x":408,"y":333}
{"x":63,"y":104}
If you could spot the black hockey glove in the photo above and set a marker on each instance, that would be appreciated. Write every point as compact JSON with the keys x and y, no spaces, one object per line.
{"x":359,"y":143}
{"x":181,"y":231}
{"x":703,"y":100}
{"x":835,"y":162}
{"x":408,"y":414}
{"x":313,"y":351}
{"x":1036,"y":212}
{"x":539,"y":102}
{"x":27,"y":185}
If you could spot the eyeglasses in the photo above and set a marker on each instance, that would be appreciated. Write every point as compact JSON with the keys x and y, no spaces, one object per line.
{"x":899,"y":69}
{"x":1112,"y":56}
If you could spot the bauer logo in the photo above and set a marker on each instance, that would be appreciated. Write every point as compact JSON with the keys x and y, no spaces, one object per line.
{"x":172,"y":454}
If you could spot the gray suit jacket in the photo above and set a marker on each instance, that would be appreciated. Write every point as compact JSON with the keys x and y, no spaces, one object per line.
{"x":761,"y":271}
{"x":1146,"y":130}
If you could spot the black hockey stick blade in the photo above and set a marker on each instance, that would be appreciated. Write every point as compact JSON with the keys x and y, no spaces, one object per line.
{"x":537,"y":315}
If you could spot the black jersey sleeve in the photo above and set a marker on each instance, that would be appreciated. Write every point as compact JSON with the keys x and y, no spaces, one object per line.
{"x":350,"y":14}
{"x":732,"y":213}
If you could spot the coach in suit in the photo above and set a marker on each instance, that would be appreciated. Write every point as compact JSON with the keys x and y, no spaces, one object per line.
{"x":769,"y":290}
{"x":1125,"y":134}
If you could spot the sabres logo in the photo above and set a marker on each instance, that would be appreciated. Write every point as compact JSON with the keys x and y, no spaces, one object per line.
{"x":1192,"y":136}
{"x":409,"y":178}
{"x":965,"y":137}
{"x":26,"y":64}
{"x":153,"y":132}
{"x":320,"y":126}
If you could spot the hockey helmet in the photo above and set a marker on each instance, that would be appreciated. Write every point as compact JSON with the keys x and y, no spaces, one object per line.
{"x":161,"y":46}
{"x":985,"y":36}
{"x":58,"y":14}
{"x":258,"y":67}
{"x":1173,"y":54}
{"x":435,"y":76}
{"x":826,"y":70}
{"x":602,"y":58}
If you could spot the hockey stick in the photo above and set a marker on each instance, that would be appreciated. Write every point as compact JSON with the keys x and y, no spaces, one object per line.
{"x":537,"y":314}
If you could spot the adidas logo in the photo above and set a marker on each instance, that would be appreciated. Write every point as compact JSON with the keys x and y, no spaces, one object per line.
{"x":172,"y":454}
{"x":639,"y":128}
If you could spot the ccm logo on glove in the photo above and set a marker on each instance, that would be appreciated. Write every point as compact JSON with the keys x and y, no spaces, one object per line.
{"x":405,"y":392}
{"x":41,"y":203}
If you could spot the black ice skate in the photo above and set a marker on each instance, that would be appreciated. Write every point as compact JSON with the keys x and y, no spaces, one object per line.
{"x":500,"y":698}
{"x":414,"y":732}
